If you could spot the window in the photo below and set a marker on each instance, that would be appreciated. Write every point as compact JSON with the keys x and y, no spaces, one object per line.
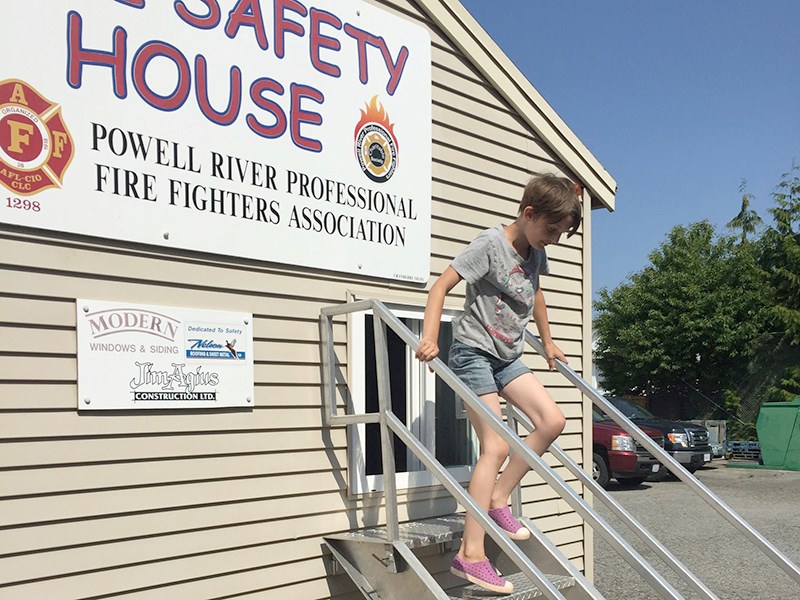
{"x":430,"y":409}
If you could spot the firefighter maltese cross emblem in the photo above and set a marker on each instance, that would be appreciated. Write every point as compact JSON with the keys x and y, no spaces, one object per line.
{"x":35,"y":145}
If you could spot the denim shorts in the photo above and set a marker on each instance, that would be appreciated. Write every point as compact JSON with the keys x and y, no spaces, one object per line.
{"x":482,"y":372}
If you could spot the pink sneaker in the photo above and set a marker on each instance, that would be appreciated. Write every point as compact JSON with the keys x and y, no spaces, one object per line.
{"x":507,"y":522}
{"x":481,"y":573}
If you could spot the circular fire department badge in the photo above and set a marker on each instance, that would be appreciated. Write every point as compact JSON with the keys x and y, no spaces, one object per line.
{"x":35,"y":145}
{"x":376,"y":146}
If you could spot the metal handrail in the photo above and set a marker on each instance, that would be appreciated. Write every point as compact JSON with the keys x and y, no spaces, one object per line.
{"x":673,"y":465}
{"x":386,"y":318}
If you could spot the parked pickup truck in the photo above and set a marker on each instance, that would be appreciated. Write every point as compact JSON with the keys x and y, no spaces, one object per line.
{"x":616,"y":454}
{"x":686,"y":442}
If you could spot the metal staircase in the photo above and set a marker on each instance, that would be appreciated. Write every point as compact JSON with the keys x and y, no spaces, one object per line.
{"x":409,"y":561}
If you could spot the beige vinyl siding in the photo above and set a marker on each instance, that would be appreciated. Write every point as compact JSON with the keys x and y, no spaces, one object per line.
{"x":213,"y":504}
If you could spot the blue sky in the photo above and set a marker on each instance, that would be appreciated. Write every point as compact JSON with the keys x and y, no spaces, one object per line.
{"x":678,"y":100}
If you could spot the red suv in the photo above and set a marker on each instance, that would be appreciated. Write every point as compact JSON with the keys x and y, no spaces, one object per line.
{"x":616,"y":454}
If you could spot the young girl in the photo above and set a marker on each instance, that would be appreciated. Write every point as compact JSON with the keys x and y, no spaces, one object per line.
{"x":502,"y":267}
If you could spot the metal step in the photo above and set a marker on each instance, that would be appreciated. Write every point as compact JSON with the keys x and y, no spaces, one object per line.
{"x":414,"y":534}
{"x":524,"y":589}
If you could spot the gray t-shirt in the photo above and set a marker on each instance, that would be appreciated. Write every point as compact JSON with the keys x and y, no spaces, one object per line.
{"x":500,"y":290}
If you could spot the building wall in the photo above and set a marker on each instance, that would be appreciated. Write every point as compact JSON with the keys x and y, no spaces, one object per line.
{"x":209,"y":504}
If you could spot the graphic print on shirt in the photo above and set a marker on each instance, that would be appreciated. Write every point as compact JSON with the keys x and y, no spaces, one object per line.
{"x":513,"y":308}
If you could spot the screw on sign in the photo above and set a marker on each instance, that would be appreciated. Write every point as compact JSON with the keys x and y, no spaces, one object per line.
{"x":35,"y":145}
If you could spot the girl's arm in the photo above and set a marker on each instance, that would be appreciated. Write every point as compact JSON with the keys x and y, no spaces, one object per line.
{"x":429,"y":343}
{"x":551,"y":351}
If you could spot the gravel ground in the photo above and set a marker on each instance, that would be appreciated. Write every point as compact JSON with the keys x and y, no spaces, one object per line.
{"x":730,"y":565}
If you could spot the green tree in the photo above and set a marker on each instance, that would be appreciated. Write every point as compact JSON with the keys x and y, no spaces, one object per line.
{"x":747,"y":221}
{"x":781,"y":259}
{"x":788,"y":387}
{"x":694,"y":315}
{"x":781,"y":254}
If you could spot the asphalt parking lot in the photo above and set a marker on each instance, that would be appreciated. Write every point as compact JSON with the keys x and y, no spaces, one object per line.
{"x":730,"y":565}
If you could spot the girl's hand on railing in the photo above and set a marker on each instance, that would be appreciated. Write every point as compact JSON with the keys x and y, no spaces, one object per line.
{"x":553,"y":353}
{"x":428,"y":350}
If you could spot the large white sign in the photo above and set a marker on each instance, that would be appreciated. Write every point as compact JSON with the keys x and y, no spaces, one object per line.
{"x":290,"y":131}
{"x":142,"y":357}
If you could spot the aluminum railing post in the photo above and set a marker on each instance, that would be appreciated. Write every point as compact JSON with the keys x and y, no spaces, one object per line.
{"x":387,"y":438}
{"x":328,"y":367}
{"x":516,"y":493}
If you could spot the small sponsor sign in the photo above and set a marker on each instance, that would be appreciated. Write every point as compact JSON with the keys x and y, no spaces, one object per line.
{"x":133,"y":356}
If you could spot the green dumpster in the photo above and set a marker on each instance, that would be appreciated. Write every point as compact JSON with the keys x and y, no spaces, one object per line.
{"x":778,"y":427}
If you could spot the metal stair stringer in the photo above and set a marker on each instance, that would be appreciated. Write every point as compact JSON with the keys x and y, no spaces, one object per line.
{"x":385,"y":571}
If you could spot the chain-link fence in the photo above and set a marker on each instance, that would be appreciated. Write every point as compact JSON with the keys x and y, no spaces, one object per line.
{"x":741,"y":401}
{"x":759,"y":383}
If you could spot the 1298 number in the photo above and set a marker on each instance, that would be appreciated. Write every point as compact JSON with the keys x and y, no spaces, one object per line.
{"x":23,"y":204}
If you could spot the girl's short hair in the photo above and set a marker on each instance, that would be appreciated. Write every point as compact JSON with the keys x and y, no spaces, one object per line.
{"x":554,"y":198}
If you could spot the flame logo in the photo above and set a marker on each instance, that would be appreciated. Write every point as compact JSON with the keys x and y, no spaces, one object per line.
{"x":375,"y":113}
{"x":376,"y":146}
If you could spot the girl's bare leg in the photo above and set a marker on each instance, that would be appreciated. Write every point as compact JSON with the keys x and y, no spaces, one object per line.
{"x":494,"y":452}
{"x":530,"y":396}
